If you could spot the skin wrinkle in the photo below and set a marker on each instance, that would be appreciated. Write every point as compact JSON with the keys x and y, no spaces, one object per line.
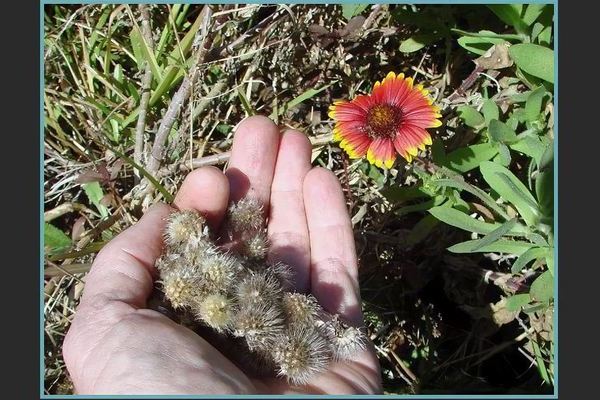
{"x":333,"y":266}
{"x":197,"y":363}
{"x":123,"y":259}
{"x":98,"y":343}
{"x":138,"y":318}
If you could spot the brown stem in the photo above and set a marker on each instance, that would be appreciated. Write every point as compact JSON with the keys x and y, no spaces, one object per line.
{"x":222,"y":158}
{"x":145,"y":99}
{"x":182,"y":94}
{"x":466,"y":84}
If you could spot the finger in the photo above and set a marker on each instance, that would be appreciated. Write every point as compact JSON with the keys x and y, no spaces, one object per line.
{"x":252,"y":160}
{"x":123,"y":270}
{"x":333,"y":262}
{"x":288,"y":231}
{"x":207,"y":191}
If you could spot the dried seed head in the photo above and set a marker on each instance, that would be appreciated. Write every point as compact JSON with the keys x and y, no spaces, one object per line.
{"x":284,"y":274}
{"x":168,"y":262}
{"x":184,"y":227}
{"x":180,"y":287}
{"x":219,"y":272}
{"x":215,"y":310}
{"x":300,"y":309}
{"x":260,"y":324}
{"x":258,"y":288}
{"x":345,"y":340}
{"x":246,"y":215}
{"x":256,"y":246}
{"x":301,"y":353}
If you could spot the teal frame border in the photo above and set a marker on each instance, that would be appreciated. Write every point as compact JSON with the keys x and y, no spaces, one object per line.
{"x":556,"y":263}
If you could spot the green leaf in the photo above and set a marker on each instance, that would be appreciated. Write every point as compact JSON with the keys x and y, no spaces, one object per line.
{"x":516,"y":302}
{"x":536,"y":30}
{"x":483,"y":196}
{"x":470,"y":116}
{"x":351,"y":10}
{"x":495,"y":235}
{"x":149,"y":56}
{"x":463,"y":221}
{"x":530,"y":145}
{"x":417,"y":42}
{"x":245,"y":103}
{"x":544,"y":191}
{"x":94,"y":193}
{"x":467,"y":158}
{"x":509,"y":187}
{"x":542,"y":289}
{"x":530,"y":255}
{"x":504,"y":156}
{"x":488,"y":34}
{"x":136,"y":44}
{"x":534,"y":59}
{"x":547,"y":157}
{"x":54,"y":238}
{"x":303,"y":97}
{"x":174,"y":71}
{"x":535,"y":308}
{"x":490,"y":110}
{"x":545,"y":36}
{"x":500,"y":132}
{"x":539,"y":361}
{"x":533,"y":105}
{"x":478,"y":45}
{"x":532,"y":12}
{"x":511,"y":15}
{"x":500,"y":246}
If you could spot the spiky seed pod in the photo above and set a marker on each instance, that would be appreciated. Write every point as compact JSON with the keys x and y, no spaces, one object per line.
{"x":260,"y":324}
{"x":301,"y":353}
{"x":256,"y":245}
{"x":168,"y":261}
{"x":180,"y":286}
{"x":185,"y":228}
{"x":258,"y":288}
{"x":345,"y":340}
{"x":284,"y":273}
{"x":300,"y":309}
{"x":219,"y":272}
{"x":246,"y":215}
{"x":215,"y":310}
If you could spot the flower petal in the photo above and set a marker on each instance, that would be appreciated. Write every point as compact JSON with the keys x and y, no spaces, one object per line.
{"x":345,"y":111}
{"x":381,"y":153}
{"x":352,"y":138}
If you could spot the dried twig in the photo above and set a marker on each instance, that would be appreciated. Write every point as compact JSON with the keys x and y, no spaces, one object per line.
{"x":216,"y":159}
{"x":145,"y":99}
{"x":182,"y":94}
{"x":63,"y":209}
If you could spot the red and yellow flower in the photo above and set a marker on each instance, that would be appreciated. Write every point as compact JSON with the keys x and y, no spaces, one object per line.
{"x":391,"y":120}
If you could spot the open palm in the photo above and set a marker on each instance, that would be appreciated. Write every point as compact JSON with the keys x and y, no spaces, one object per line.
{"x":116,"y":345}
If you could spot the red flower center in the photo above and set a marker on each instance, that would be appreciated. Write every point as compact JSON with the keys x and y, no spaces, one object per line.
{"x":383,"y":120}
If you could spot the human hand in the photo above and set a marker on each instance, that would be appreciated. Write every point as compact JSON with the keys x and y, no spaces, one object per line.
{"x":116,"y":345}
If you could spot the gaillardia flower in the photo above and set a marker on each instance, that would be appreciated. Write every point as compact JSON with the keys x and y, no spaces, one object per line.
{"x":392,"y":119}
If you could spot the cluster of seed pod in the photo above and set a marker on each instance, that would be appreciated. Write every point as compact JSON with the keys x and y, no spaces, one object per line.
{"x":233,"y":290}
